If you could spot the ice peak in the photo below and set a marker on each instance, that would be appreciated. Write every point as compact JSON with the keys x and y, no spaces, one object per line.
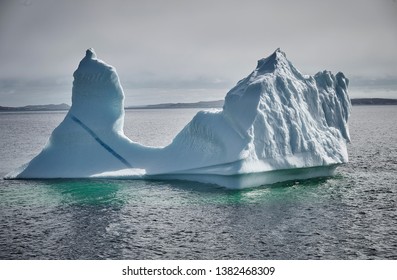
{"x":280,"y":54}
{"x":90,"y":53}
{"x":272,"y":62}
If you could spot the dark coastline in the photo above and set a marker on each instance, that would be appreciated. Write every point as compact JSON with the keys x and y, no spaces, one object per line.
{"x":373,"y":101}
{"x":201,"y":104}
{"x":28,"y":108}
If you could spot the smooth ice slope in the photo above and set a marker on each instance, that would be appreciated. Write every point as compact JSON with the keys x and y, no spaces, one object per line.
{"x":276,"y":125}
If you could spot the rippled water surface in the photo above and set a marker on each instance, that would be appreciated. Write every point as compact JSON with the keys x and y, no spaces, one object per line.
{"x":350,"y":216}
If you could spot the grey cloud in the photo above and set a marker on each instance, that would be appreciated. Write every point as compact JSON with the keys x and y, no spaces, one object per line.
{"x":8,"y":84}
{"x":383,"y":83}
{"x":191,"y":44}
{"x":198,"y":83}
{"x":17,"y":92}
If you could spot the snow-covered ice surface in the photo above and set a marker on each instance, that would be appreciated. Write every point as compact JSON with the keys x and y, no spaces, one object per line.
{"x":276,"y":125}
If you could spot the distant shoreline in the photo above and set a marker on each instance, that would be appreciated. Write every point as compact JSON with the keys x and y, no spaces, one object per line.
{"x":34,"y":108}
{"x":198,"y":105}
{"x":373,"y":101}
{"x":201,"y":104}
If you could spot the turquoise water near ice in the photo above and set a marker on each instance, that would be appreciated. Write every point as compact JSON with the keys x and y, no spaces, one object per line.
{"x":352,"y":215}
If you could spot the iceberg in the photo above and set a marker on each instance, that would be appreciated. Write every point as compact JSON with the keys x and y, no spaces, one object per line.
{"x":276,"y":125}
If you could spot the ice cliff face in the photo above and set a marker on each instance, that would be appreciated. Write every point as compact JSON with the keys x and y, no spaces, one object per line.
{"x":290,"y":120}
{"x":97,"y":95}
{"x":276,"y":124}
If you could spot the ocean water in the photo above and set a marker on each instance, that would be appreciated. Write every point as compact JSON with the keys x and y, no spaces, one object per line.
{"x":352,"y":215}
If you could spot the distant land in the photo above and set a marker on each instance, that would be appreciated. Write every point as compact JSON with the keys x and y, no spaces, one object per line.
{"x":48,"y":107}
{"x":219,"y":104}
{"x":373,"y":101}
{"x":201,"y":104}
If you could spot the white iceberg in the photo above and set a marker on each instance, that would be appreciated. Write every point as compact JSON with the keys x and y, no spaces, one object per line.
{"x":276,"y":125}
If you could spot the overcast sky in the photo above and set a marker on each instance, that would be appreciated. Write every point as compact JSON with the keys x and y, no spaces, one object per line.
{"x":185,"y":51}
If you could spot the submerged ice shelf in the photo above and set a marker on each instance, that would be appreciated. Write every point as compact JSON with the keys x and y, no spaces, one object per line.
{"x":276,"y":124}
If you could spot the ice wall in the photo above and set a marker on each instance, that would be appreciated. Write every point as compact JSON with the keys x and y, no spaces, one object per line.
{"x":276,"y":125}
